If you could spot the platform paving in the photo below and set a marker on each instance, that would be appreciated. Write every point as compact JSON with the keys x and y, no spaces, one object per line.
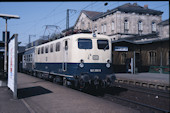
{"x":41,"y":96}
{"x":10,"y":105}
{"x":155,"y":80}
{"x":150,"y":77}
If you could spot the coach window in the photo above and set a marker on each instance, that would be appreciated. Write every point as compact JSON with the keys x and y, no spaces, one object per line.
{"x":84,"y":43}
{"x":103,"y":44}
{"x":31,"y":57}
{"x":42,"y":50}
{"x":46,"y":49}
{"x":25,"y":57}
{"x":28,"y":57}
{"x":51,"y":48}
{"x":58,"y":46}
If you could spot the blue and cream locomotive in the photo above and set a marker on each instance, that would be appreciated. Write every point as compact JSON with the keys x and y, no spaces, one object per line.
{"x":80,"y":60}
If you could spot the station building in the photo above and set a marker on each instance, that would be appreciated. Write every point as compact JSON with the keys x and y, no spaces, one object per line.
{"x":138,"y":35}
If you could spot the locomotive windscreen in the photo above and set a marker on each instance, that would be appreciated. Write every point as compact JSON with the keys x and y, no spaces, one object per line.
{"x":103,"y":44}
{"x":84,"y":43}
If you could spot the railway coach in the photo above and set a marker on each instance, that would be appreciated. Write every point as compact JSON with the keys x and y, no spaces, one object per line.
{"x":80,"y":60}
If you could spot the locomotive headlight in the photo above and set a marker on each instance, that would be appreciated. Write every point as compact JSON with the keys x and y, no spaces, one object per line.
{"x":81,"y":63}
{"x":108,"y":64}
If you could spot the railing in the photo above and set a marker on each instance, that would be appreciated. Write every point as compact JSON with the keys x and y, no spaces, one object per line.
{"x":159,"y":69}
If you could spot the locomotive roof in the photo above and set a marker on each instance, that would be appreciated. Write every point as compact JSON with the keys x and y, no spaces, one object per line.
{"x":83,"y":35}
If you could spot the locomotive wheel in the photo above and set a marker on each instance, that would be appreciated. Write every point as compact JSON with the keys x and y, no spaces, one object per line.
{"x":65,"y":82}
{"x":39,"y":75}
{"x":82,"y":84}
{"x":34,"y":73}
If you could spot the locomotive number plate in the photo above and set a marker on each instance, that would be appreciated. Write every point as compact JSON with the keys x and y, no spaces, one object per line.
{"x":95,"y":57}
{"x":95,"y":70}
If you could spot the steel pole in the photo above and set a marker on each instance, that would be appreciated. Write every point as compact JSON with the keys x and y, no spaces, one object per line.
{"x":5,"y":56}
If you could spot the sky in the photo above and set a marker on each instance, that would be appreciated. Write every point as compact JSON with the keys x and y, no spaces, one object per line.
{"x":34,"y":16}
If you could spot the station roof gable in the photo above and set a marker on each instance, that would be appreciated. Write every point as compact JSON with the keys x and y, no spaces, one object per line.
{"x":165,"y":22}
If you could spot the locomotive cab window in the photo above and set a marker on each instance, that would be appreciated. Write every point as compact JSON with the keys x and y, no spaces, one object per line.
{"x":103,"y":44}
{"x":84,"y":43}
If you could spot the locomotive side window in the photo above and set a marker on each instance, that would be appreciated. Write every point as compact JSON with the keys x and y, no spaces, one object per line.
{"x":58,"y":46}
{"x":51,"y":48}
{"x":38,"y":50}
{"x":102,"y":44}
{"x":42,"y":50}
{"x":84,"y":43}
{"x":66,"y":45}
{"x":46,"y":49}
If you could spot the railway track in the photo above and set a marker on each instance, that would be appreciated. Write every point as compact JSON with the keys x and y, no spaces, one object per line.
{"x":150,"y":91}
{"x":143,"y":99}
{"x":142,"y":107}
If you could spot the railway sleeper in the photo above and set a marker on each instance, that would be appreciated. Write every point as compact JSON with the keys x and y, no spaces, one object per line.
{"x":152,"y":86}
{"x":167,"y":88}
{"x":162,"y":87}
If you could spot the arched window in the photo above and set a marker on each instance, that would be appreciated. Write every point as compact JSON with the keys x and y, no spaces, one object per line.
{"x":82,"y":24}
{"x":113,"y":26}
{"x":140,"y":26}
{"x":102,"y":28}
{"x":89,"y":28}
{"x":105,"y":27}
{"x":126,"y":25}
{"x":153,"y":27}
{"x":95,"y":28}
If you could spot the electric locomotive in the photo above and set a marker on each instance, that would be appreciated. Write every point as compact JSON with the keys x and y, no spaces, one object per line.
{"x":80,"y":60}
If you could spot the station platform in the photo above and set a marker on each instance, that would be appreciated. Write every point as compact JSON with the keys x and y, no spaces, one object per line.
{"x":150,"y":80}
{"x":39,"y":96}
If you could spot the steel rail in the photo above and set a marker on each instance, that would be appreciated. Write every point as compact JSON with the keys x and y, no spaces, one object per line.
{"x":141,"y":104}
{"x":139,"y":89}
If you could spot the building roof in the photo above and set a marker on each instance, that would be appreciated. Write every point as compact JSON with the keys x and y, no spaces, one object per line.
{"x":142,"y":41}
{"x":91,"y":14}
{"x":165,"y":22}
{"x":130,"y":8}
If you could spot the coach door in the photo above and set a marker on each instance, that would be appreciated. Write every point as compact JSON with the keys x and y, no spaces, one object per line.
{"x":65,"y":55}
